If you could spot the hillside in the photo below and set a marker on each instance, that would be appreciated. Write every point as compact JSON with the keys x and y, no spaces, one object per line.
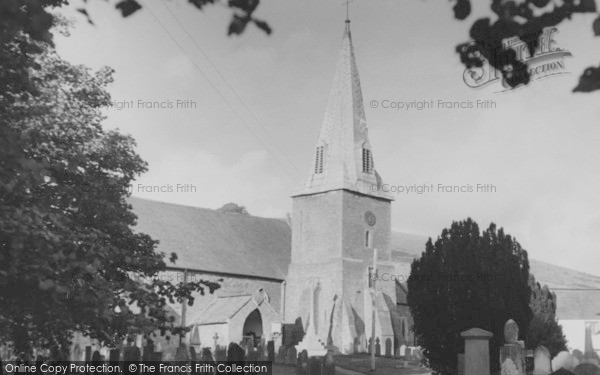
{"x":405,"y":247}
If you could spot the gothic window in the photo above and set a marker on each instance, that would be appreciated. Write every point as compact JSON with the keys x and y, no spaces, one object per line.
{"x":403,"y":328}
{"x":319,"y":159}
{"x":367,"y":160}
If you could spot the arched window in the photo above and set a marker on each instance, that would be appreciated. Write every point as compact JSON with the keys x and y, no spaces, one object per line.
{"x":403,"y":328}
{"x":368,"y":239}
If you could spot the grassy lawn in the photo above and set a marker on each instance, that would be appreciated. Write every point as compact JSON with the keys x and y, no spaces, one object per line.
{"x":361,"y":363}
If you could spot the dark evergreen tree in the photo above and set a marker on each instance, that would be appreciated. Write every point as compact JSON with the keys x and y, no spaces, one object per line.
{"x":544,"y":328}
{"x":467,"y":279}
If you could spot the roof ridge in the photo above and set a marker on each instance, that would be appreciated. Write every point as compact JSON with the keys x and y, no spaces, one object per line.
{"x":214,"y":210}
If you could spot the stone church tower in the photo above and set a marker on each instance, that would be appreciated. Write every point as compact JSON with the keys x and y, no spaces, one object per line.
{"x":339,"y":216}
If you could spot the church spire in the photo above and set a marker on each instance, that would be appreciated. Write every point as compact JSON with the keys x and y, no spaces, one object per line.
{"x":343,"y":158}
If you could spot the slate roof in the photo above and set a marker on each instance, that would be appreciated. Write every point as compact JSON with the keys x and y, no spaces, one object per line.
{"x":214,"y":241}
{"x":245,"y":245}
{"x":222,"y":308}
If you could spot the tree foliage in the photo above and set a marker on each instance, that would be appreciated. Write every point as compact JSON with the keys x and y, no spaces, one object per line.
{"x":69,"y":258}
{"x":233,"y":208}
{"x":525,"y":19}
{"x":544,"y":328}
{"x":467,"y":279}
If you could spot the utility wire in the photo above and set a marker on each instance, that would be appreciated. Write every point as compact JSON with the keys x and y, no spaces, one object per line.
{"x":218,"y":92}
{"x":187,"y":32}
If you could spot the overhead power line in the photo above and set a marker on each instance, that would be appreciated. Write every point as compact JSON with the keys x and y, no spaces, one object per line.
{"x":229,"y":104}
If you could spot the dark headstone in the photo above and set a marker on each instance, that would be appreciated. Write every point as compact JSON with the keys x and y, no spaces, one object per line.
{"x":220,"y":354}
{"x":314,"y":366}
{"x":206,"y":358}
{"x":356,"y":345}
{"x":302,"y":363}
{"x":206,"y":355}
{"x":328,"y":364}
{"x":235,"y":353}
{"x":377,"y":347}
{"x":148,"y":350}
{"x":271,"y":351}
{"x":131,"y":354}
{"x":114,"y":355}
{"x":388,"y":347}
{"x":88,"y":354}
{"x":562,"y":371}
{"x":586,"y":369}
{"x":193,"y":356}
{"x":281,"y":354}
{"x":181,"y":355}
{"x":291,"y":355}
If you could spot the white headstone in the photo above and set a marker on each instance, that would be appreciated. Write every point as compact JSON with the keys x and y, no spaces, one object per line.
{"x":542,"y":364}
{"x":402,"y":350}
{"x":564,"y":360}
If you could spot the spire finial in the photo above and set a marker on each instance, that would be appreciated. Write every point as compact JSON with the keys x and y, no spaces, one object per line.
{"x":347,"y":3}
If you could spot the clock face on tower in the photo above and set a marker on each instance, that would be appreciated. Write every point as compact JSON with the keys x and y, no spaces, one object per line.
{"x":370,"y":218}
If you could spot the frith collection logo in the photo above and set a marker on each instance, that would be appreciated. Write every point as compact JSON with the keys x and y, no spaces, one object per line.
{"x":547,"y":60}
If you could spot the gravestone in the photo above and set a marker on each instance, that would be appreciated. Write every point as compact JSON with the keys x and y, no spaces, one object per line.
{"x":512,"y":353}
{"x":564,"y":360}
{"x":402,"y":350}
{"x":388,"y":347}
{"x":542,"y":364}
{"x":235,"y":353}
{"x":587,"y":369}
{"x":562,"y":371}
{"x":156,"y":356}
{"x":477,"y":354}
{"x":114,"y":356}
{"x":181,"y":354}
{"x":148,"y":350}
{"x":314,"y":366}
{"x":329,"y":364}
{"x":302,"y":363}
{"x":271,"y":351}
{"x":292,"y":355}
{"x":511,"y":332}
{"x":377,"y":347}
{"x":261,"y":350}
{"x":281,"y":354}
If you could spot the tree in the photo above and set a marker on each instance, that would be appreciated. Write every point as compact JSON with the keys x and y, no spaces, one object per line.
{"x":525,"y":19}
{"x":69,"y":258}
{"x":234,"y":208}
{"x":544,"y":328}
{"x":467,"y":279}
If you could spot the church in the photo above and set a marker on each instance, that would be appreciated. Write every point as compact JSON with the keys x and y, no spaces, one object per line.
{"x":313,"y":270}
{"x":308,"y":281}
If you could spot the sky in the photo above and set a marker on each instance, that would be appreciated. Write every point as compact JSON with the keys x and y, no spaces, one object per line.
{"x":242,"y":114}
